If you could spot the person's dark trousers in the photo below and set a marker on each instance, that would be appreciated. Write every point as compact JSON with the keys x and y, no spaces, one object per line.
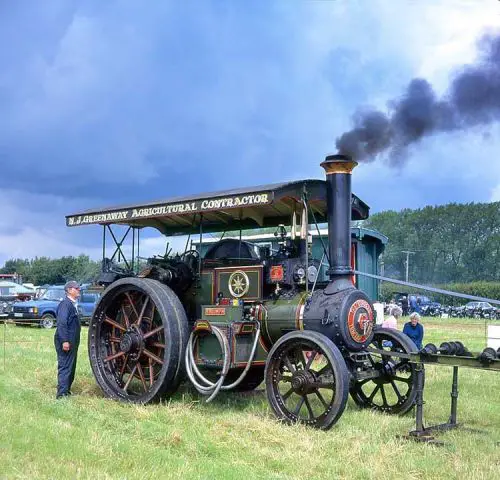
{"x":66,"y":366}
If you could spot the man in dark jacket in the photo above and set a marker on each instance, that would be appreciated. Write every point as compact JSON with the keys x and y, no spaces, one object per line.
{"x":67,"y":339}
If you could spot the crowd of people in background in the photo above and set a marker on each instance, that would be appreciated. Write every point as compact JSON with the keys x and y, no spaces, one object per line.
{"x":413,"y":329}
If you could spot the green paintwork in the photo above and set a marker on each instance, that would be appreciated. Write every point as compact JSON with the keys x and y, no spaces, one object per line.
{"x":204,"y":293}
{"x":280,"y":317}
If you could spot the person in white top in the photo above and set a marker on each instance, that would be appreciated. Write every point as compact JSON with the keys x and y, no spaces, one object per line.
{"x":392,"y":320}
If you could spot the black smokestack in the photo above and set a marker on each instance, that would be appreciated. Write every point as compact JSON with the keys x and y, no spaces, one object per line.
{"x":473,"y":98}
{"x":338,"y":170}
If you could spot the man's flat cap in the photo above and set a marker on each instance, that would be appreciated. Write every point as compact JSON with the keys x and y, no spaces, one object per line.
{"x":71,"y":284}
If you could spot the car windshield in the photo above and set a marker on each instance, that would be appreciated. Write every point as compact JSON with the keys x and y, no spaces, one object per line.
{"x":88,"y":298}
{"x":485,"y":304}
{"x":53,"y":294}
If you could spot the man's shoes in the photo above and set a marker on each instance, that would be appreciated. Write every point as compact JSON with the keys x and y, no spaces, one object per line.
{"x":62,"y":395}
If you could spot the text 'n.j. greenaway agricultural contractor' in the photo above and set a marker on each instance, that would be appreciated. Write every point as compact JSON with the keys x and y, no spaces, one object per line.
{"x":240,"y":314}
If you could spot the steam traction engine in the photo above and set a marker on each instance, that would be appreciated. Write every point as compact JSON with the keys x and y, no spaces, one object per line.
{"x":239,"y":315}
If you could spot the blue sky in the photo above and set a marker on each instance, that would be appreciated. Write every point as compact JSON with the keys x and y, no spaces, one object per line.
{"x":104,"y":103}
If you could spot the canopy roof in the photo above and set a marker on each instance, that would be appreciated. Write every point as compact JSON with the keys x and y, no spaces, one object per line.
{"x":251,"y":207}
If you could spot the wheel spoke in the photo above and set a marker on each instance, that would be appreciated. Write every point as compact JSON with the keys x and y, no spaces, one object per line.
{"x":299,"y":406}
{"x":284,"y":378}
{"x":113,"y":356}
{"x":370,"y":357}
{"x":289,"y":365}
{"x":114,"y":340}
{"x":152,"y":332}
{"x":115,"y":324}
{"x":384,"y":398}
{"x":143,"y":309}
{"x":141,"y":374}
{"x":132,"y":304}
{"x":287,"y":394}
{"x":308,"y":405}
{"x":124,"y":366}
{"x":402,"y":379}
{"x":125,"y":316}
{"x":375,"y":390}
{"x":322,"y":400}
{"x":152,"y":356}
{"x":130,"y":378}
{"x":396,"y":390}
{"x":158,"y":345}
{"x":322,"y":384}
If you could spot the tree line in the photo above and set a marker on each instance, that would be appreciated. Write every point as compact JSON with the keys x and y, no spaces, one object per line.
{"x":454,"y":243}
{"x":53,"y":271}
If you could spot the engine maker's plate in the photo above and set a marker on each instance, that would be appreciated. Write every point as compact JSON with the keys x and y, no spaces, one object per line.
{"x":360,"y":321}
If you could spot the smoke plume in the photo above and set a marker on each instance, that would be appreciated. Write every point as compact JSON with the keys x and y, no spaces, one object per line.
{"x":472,"y":98}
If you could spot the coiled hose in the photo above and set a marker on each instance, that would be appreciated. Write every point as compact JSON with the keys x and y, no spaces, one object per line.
{"x":206,"y":387}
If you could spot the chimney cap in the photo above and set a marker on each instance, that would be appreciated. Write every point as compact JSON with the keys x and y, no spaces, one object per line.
{"x":338,"y":157}
{"x":338,"y":163}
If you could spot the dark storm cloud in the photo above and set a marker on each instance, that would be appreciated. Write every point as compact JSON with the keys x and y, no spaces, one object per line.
{"x":472,"y":99}
{"x":119,"y":102}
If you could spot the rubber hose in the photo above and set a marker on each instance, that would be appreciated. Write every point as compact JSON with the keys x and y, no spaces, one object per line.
{"x":211,"y":387}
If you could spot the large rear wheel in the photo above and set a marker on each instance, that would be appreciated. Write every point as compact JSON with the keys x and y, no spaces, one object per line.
{"x":137,"y":340}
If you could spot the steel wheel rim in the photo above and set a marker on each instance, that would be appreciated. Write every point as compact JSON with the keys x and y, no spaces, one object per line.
{"x":303,"y":382}
{"x":47,"y":322}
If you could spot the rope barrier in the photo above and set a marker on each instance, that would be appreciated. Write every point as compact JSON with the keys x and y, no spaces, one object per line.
{"x":430,"y":289}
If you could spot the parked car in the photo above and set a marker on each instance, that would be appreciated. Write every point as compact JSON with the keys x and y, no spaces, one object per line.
{"x":480,"y":310}
{"x":6,"y":302}
{"x":42,"y":311}
{"x":87,"y":303}
{"x":11,"y":292}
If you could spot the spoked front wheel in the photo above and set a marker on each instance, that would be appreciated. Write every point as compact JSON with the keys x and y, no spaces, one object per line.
{"x":394,"y":389}
{"x":307,"y":380}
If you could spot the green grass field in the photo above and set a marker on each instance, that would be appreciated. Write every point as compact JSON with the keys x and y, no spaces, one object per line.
{"x":236,"y":436}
